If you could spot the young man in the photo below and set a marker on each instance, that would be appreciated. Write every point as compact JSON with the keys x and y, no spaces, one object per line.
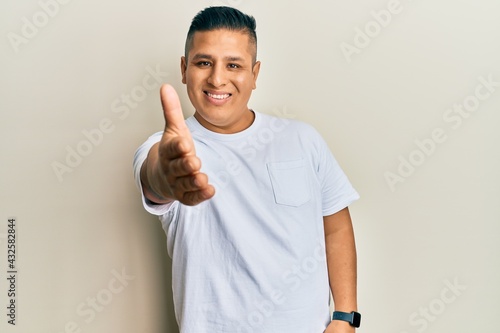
{"x":254,"y":207}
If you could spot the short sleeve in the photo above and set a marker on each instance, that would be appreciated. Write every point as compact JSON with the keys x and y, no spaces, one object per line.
{"x":337,"y":191}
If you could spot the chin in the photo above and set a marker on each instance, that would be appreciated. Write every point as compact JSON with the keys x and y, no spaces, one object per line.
{"x":216,"y":117}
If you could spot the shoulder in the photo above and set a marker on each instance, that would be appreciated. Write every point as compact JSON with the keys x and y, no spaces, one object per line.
{"x":289,"y":131}
{"x":288,"y":134}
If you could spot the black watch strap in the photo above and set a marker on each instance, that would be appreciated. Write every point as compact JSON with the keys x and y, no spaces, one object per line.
{"x":353,"y":318}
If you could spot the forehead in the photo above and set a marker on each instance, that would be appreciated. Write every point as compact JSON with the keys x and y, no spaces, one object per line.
{"x":222,"y":42}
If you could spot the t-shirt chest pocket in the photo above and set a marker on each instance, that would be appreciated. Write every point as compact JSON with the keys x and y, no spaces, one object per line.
{"x":290,"y":182}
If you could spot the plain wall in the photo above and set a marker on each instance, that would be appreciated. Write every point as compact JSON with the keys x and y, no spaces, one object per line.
{"x":399,"y":89}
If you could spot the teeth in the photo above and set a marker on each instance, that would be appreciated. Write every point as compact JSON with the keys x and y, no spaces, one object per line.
{"x":218,"y":96}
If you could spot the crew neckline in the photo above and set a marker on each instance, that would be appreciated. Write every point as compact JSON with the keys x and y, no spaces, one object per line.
{"x":197,"y":128}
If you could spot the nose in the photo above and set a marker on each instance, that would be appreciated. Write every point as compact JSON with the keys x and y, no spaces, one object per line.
{"x":217,"y":76}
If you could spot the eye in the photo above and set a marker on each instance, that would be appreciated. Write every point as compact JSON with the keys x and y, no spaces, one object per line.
{"x":233,"y":66}
{"x":203,"y":64}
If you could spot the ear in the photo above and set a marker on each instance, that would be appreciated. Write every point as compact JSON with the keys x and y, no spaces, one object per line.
{"x":255,"y":71}
{"x":183,"y":69}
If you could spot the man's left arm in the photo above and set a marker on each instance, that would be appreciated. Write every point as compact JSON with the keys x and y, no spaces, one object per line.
{"x":342,"y":266}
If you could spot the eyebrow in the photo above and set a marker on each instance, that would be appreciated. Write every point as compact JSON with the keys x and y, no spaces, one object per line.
{"x":209,"y":57}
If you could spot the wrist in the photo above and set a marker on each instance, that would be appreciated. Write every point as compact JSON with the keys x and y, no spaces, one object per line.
{"x":352,"y":318}
{"x":338,"y":326}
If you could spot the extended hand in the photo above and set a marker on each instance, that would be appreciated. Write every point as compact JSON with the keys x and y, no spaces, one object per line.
{"x":178,"y":167}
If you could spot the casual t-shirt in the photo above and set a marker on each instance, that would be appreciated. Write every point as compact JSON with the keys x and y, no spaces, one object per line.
{"x":252,"y":258}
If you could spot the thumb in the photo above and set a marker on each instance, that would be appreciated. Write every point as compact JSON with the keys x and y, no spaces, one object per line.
{"x":172,"y":110}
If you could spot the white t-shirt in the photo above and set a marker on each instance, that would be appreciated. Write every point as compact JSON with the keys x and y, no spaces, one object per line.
{"x":252,"y":258}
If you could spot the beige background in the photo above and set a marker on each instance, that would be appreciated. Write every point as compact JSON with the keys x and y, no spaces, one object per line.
{"x":80,"y":227}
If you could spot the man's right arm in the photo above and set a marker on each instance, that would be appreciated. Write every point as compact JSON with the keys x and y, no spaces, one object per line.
{"x":171,"y":170}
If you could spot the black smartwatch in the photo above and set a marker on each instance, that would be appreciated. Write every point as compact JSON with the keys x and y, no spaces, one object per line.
{"x":353,"y":318}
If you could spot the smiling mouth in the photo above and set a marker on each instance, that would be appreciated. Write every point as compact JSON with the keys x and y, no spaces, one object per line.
{"x":217,"y":96}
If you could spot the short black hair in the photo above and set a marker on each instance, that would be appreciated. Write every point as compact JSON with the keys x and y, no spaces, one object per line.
{"x":222,"y":17}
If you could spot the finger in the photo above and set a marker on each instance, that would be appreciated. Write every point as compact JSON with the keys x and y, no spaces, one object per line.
{"x":196,"y":197}
{"x":173,"y":147}
{"x":191,"y":183}
{"x":172,"y":110}
{"x":184,"y":166}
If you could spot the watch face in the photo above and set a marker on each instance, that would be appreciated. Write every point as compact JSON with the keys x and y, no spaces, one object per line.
{"x":356,"y":319}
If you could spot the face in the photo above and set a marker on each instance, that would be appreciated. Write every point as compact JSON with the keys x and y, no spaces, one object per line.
{"x":220,"y":75}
